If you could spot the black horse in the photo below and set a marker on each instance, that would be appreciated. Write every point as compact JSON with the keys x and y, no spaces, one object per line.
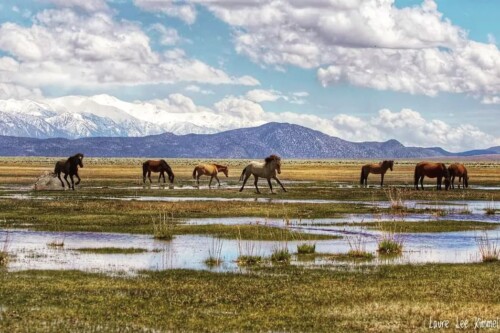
{"x":69,"y":167}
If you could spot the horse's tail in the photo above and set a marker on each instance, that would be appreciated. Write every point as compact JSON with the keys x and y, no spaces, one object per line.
{"x":416,"y":176}
{"x":242,"y":173}
{"x":362,"y":177}
{"x":144,"y":168}
{"x":194,"y":172}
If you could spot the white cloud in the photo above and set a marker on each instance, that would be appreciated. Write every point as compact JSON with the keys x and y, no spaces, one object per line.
{"x":86,"y":5}
{"x":168,"y":36}
{"x":173,"y":8}
{"x":369,"y":43}
{"x":96,"y":51}
{"x":198,"y":89}
{"x":261,"y":95}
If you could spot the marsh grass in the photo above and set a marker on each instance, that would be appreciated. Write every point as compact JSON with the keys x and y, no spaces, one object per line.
{"x":357,"y":248}
{"x":390,"y":244}
{"x":4,"y":253}
{"x":488,"y":248}
{"x":163,"y":226}
{"x":56,"y":243}
{"x":306,"y":248}
{"x":248,"y":252}
{"x":281,"y":254}
{"x":428,"y":226}
{"x":111,"y":250}
{"x":396,"y":197}
{"x":491,"y":209}
{"x":215,"y":253}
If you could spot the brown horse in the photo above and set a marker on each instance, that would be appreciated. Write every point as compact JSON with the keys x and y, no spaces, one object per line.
{"x":458,"y":170}
{"x":432,"y":170}
{"x":209,"y":170}
{"x":378,"y":169}
{"x":157,"y":166}
{"x":69,"y":167}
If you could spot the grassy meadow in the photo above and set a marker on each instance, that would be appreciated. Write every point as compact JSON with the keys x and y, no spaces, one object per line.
{"x":268,"y":297}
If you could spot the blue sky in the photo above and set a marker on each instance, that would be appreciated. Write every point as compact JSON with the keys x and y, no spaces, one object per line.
{"x":379,"y":70}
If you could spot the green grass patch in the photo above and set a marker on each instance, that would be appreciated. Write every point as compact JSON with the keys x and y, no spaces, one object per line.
{"x":430,"y":226}
{"x":111,"y":250}
{"x":281,"y":255}
{"x":277,"y":298}
{"x":389,"y":245}
{"x":306,"y":248}
{"x":249,"y":260}
{"x":352,"y":255}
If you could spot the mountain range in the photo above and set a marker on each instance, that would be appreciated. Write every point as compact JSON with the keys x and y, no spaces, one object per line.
{"x":287,"y":140}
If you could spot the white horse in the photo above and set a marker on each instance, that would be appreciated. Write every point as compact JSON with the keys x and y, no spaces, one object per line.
{"x":265,"y":170}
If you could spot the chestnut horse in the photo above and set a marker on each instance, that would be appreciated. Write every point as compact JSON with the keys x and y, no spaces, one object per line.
{"x":209,"y":170}
{"x":265,"y":170}
{"x":378,"y":169}
{"x":458,"y":170}
{"x":69,"y":167}
{"x":432,"y":170}
{"x":157,"y":166}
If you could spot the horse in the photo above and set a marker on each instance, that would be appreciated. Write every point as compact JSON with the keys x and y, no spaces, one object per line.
{"x":432,"y":170}
{"x":265,"y":170}
{"x":160,"y":166}
{"x":377,"y":169}
{"x":458,"y":170}
{"x":69,"y":167}
{"x":209,"y":170}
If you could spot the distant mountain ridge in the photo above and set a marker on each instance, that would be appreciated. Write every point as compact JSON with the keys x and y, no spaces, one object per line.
{"x":287,"y":140}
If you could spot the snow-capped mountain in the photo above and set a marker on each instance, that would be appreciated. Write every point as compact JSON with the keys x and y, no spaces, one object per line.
{"x":101,"y":115}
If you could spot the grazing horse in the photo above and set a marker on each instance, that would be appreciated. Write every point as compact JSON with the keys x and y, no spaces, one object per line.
{"x":209,"y":170}
{"x":265,"y":170}
{"x":458,"y":170}
{"x":432,"y":170}
{"x":378,"y":169}
{"x":69,"y":167}
{"x":157,"y":166}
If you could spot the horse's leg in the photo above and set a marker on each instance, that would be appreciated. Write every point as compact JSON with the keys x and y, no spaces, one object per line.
{"x":159,"y":177}
{"x":210,"y":182}
{"x":382,"y":180}
{"x":366,"y":178}
{"x":149,"y":176}
{"x":66,"y":179}
{"x":255,"y":183}
{"x":270,"y":185}
{"x":422,"y":182}
{"x":72,"y":182}
{"x":439,"y":180}
{"x":59,"y":176}
{"x":460,"y":181}
{"x":279,"y":182}
{"x":78,"y":182}
{"x":245,"y":181}
{"x":217,"y":178}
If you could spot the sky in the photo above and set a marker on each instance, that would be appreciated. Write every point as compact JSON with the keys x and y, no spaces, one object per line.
{"x":426,"y":73}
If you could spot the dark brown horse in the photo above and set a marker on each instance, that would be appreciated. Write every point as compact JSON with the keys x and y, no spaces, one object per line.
{"x":378,"y":169}
{"x":209,"y":170}
{"x":160,"y":166}
{"x":458,"y":170}
{"x":69,"y":167}
{"x":432,"y":170}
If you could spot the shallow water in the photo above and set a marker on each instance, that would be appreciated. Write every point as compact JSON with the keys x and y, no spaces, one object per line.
{"x":31,"y":251}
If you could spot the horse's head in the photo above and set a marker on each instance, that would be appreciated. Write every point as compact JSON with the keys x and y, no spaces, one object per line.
{"x":276,"y":160}
{"x":389,"y":164}
{"x":78,"y":159}
{"x":225,"y":170}
{"x":171,"y":177}
{"x":447,"y":177}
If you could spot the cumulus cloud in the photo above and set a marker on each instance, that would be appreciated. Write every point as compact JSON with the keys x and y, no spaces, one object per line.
{"x":173,"y":8}
{"x":96,"y":51}
{"x":369,"y":43}
{"x":86,"y":5}
{"x":262,"y":95}
{"x":198,"y":89}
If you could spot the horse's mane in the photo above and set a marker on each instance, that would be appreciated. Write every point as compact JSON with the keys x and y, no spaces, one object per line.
{"x":74,"y":157}
{"x":271,"y":158}
{"x":220,"y":167}
{"x":165,"y":165}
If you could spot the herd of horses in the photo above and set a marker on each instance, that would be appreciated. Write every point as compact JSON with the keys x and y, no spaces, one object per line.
{"x":270,"y":168}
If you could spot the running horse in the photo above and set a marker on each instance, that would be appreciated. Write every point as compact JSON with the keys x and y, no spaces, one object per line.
{"x":378,"y":169}
{"x":432,"y":170}
{"x":209,"y":170}
{"x":458,"y":170}
{"x":268,"y":169}
{"x":160,"y":166}
{"x":70,"y":168}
